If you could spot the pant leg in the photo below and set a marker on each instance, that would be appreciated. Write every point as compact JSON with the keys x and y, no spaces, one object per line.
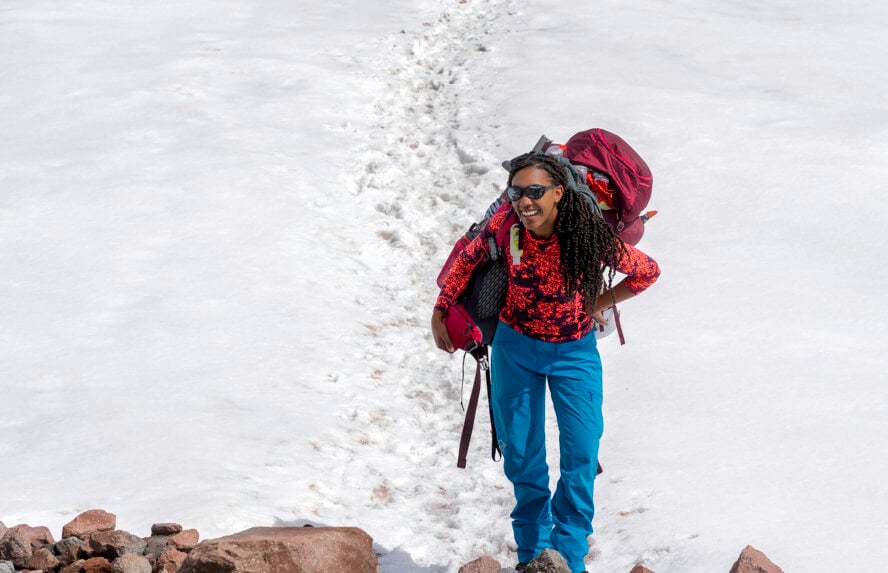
{"x":575,"y":382}
{"x":518,"y":401}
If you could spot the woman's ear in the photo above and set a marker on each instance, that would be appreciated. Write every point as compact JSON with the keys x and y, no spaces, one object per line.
{"x":558,"y":193}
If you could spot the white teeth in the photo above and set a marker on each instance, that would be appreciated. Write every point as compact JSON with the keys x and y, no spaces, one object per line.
{"x":530,"y":213}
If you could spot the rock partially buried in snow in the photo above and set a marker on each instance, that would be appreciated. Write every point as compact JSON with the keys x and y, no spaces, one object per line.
{"x":484,"y":564}
{"x":91,"y":521}
{"x":640,"y":569}
{"x":549,"y":561}
{"x":752,"y":560}
{"x":285,"y":550}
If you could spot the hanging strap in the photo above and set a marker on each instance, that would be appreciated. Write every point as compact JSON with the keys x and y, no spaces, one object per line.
{"x":481,"y":363}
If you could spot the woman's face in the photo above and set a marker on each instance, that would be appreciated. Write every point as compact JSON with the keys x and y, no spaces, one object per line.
{"x":537,"y":215}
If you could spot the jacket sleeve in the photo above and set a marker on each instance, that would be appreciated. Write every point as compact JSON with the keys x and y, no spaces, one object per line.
{"x":467,"y":260}
{"x":641,"y":271}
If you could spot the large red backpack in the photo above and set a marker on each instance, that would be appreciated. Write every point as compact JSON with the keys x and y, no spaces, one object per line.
{"x":616,"y":175}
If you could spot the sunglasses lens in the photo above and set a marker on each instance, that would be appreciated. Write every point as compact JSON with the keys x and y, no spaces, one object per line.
{"x":532,"y":191}
{"x":535,"y":191}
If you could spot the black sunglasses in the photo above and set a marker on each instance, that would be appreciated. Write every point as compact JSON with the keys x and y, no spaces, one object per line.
{"x":532,"y":191}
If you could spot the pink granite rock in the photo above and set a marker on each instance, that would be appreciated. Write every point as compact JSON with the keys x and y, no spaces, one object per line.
{"x":88,"y":522}
{"x":484,"y":564}
{"x":752,"y":560}
{"x":37,"y":536}
{"x":169,"y":561}
{"x":184,"y":541}
{"x":131,"y":563}
{"x":43,"y":559}
{"x":285,"y":550}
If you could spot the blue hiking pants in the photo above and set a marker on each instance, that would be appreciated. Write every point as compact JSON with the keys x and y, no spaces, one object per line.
{"x":520,"y":368}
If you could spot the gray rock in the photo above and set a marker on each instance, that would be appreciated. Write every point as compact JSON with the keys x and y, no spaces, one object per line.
{"x":66,"y":550}
{"x":2,"y":529}
{"x":549,"y":561}
{"x":6,"y":566}
{"x":155,"y":544}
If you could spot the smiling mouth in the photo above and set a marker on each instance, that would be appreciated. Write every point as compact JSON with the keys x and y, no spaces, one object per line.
{"x":529,"y":212}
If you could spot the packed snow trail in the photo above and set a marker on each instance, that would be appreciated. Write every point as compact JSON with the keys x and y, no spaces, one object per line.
{"x":424,"y":178}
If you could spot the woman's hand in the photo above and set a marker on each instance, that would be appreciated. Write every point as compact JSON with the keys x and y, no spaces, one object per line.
{"x":439,"y":332}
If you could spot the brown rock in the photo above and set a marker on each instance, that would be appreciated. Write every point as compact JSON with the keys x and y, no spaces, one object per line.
{"x":75,"y":567}
{"x":16,"y":547}
{"x":131,"y":563}
{"x":640,"y":569}
{"x":97,"y":565}
{"x":88,"y":522}
{"x":285,"y":550}
{"x":484,"y":564}
{"x":165,"y":529}
{"x":549,"y":561}
{"x":2,"y":529}
{"x":169,"y":560}
{"x":38,"y":536}
{"x":752,"y":560}
{"x":114,"y":544}
{"x":184,"y":541}
{"x":43,"y":559}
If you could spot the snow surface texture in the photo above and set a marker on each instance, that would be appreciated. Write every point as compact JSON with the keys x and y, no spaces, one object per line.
{"x":221,"y":225}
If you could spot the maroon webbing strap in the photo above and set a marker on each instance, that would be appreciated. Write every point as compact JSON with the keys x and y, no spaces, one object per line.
{"x":466,"y":436}
{"x":618,"y":325}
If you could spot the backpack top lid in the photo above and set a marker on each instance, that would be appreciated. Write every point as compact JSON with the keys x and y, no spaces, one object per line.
{"x":609,"y":154}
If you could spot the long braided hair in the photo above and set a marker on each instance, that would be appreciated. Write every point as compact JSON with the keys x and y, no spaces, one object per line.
{"x":584,"y":238}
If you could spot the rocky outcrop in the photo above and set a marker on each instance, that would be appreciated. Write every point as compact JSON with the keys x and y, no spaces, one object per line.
{"x":285,"y":550}
{"x":640,"y":569}
{"x":752,"y":560}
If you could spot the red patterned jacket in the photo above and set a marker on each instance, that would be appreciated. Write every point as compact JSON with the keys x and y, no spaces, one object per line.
{"x":537,"y":303}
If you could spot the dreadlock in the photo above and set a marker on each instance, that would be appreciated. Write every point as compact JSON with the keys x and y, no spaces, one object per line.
{"x":584,"y":238}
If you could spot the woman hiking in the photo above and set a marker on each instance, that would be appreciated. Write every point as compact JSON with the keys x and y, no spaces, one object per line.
{"x":560,"y":276}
